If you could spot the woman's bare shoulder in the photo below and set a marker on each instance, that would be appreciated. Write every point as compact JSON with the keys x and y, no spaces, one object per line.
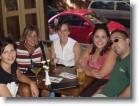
{"x":87,"y":50}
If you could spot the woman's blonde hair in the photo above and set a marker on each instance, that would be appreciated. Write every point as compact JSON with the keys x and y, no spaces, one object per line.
{"x":28,"y":30}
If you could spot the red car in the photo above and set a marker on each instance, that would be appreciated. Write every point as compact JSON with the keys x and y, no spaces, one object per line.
{"x":82,"y":23}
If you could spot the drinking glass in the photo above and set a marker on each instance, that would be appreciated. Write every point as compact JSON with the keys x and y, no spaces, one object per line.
{"x":36,"y":70}
{"x":80,"y":75}
{"x":55,"y":62}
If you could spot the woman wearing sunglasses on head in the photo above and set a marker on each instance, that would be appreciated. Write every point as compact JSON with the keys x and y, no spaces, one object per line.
{"x":9,"y":72}
{"x":98,"y":59}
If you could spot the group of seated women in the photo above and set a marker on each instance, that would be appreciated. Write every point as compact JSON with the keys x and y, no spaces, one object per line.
{"x":97,"y":60}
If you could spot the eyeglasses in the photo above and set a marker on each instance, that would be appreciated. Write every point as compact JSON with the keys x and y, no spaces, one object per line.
{"x":115,"y":40}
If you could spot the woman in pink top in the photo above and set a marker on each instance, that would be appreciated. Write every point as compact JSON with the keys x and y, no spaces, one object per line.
{"x":96,"y":53}
{"x":98,"y":59}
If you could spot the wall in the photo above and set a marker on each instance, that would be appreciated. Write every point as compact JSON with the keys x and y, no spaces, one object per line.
{"x":1,"y":21}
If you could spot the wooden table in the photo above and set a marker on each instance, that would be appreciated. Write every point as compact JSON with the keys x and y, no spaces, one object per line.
{"x":75,"y":91}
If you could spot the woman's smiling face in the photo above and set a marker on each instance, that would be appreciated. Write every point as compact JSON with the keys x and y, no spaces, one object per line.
{"x":31,"y":39}
{"x":100,"y":38}
{"x":63,"y":32}
{"x":9,"y":54}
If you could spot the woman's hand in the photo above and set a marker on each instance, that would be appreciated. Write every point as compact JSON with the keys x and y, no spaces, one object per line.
{"x":34,"y":89}
{"x":97,"y":75}
{"x":89,"y":71}
{"x":52,"y":62}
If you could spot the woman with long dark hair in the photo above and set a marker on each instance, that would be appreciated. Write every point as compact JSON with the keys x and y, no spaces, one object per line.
{"x":98,"y":59}
{"x":9,"y":72}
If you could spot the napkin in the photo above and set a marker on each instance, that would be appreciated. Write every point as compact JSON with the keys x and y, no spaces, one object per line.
{"x":67,"y":75}
{"x":54,"y":79}
{"x":13,"y":88}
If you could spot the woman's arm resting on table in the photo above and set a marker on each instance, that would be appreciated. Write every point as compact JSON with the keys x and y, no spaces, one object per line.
{"x":85,"y":61}
{"x":22,"y":78}
{"x":106,"y":68}
{"x":4,"y":91}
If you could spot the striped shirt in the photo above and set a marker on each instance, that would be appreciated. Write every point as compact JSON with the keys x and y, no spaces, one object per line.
{"x":24,"y":58}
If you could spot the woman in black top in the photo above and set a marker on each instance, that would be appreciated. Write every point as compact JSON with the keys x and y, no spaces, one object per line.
{"x":9,"y":72}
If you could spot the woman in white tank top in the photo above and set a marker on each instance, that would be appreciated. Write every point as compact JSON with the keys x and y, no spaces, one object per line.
{"x":65,"y":49}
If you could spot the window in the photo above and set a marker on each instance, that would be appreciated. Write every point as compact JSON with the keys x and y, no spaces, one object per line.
{"x":123,"y":6}
{"x":110,"y":5}
{"x":71,"y":19}
{"x":103,"y":5}
{"x":95,"y":18}
{"x":76,"y":20}
{"x":11,"y":5}
{"x":97,"y":5}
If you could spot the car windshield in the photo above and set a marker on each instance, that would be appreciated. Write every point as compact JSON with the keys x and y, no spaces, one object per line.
{"x":95,"y":18}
